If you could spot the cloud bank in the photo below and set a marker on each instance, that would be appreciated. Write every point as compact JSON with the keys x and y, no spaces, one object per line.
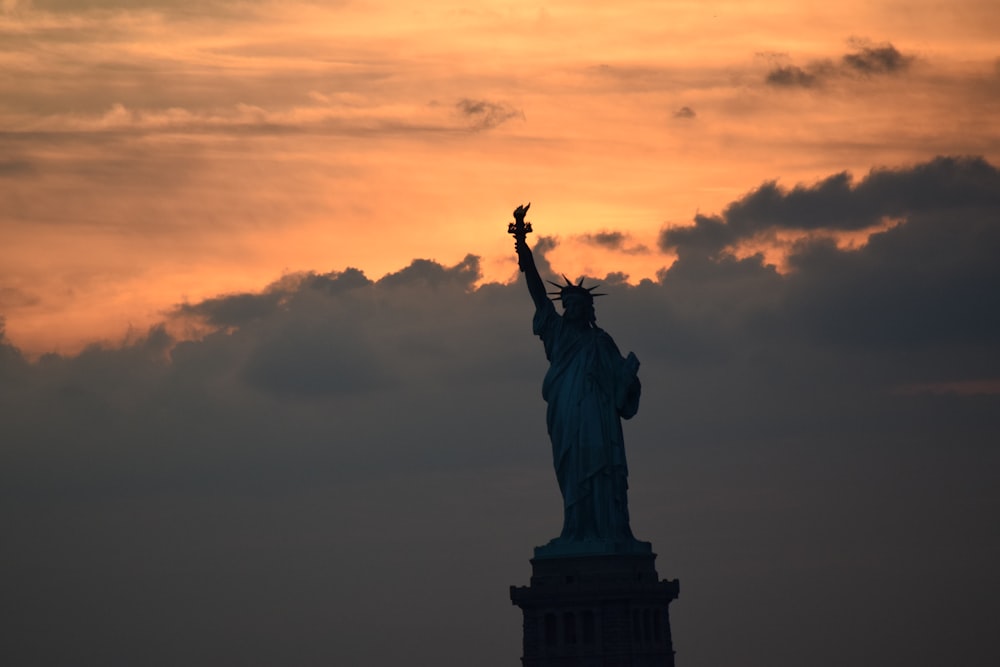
{"x":865,"y":61}
{"x":341,"y":459}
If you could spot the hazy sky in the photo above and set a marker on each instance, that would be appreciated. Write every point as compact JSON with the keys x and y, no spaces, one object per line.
{"x":154,"y":152}
{"x":268,"y":389}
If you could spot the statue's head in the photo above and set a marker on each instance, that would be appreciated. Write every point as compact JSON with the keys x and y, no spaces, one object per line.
{"x":577,"y":300}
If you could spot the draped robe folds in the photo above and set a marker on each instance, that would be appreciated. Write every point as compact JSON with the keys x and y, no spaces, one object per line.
{"x":589,"y":388}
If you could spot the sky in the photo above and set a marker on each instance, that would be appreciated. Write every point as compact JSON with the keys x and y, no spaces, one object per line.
{"x":268,"y":388}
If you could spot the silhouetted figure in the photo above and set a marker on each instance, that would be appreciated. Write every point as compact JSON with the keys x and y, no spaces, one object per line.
{"x":589,"y":388}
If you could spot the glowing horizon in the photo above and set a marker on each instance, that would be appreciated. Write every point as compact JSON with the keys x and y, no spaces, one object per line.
{"x":160,"y":155}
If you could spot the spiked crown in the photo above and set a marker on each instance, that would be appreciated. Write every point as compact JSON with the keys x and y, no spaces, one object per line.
{"x":570,"y":290}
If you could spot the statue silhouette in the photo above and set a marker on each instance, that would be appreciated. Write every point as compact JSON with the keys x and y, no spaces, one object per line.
{"x":589,"y":388}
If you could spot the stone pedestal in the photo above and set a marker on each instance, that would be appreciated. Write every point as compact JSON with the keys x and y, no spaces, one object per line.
{"x":596,"y":610}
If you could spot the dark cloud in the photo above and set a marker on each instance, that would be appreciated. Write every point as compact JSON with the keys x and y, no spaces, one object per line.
{"x":15,"y":168}
{"x":543,"y":246}
{"x":838,"y":204}
{"x":233,"y":309}
{"x":485,"y":115}
{"x":337,"y":281}
{"x":616,"y":278}
{"x":685,"y":112}
{"x":708,"y":235}
{"x":866,"y":60}
{"x":13,"y":297}
{"x":12,"y":362}
{"x":425,"y":272}
{"x":345,"y":459}
{"x":322,"y":360}
{"x":791,"y":76}
{"x":215,"y":8}
{"x":827,"y":204}
{"x":885,"y":59}
{"x":928,"y":281}
{"x":611,"y":240}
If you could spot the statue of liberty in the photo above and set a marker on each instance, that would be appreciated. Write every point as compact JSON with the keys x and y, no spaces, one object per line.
{"x":589,"y":388}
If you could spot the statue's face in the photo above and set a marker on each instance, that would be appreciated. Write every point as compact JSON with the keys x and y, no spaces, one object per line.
{"x":578,"y":308}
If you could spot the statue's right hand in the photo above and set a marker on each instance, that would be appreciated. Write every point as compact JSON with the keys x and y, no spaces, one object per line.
{"x":521,"y":211}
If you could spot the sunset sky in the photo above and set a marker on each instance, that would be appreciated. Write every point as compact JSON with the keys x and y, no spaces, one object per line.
{"x":161,"y":152}
{"x":268,"y":389}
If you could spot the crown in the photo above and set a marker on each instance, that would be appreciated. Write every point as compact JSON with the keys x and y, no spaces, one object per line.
{"x":571,"y":289}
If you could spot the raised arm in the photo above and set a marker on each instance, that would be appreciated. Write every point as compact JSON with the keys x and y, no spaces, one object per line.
{"x":526,"y":262}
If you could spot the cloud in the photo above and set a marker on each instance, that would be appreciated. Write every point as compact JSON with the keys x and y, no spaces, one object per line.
{"x":234,"y":309}
{"x":838,"y":204}
{"x":791,"y":76}
{"x":16,"y":168}
{"x":323,"y":117}
{"x":485,"y":115}
{"x":613,"y":240}
{"x":882,"y":59}
{"x":708,"y":235}
{"x":218,"y":8}
{"x":543,"y":246}
{"x":428,"y":273}
{"x":11,"y":359}
{"x":923,"y":282}
{"x":610,"y":240}
{"x":313,"y":359}
{"x":685,"y":112}
{"x":961,"y":388}
{"x":294,"y":349}
{"x":867,"y":60}
{"x":13,"y":297}
{"x":331,"y":435}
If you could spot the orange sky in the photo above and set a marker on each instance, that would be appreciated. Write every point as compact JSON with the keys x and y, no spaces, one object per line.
{"x":162,"y":154}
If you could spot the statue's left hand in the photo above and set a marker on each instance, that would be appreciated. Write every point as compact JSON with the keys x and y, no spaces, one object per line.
{"x":629,"y":387}
{"x":632,"y":363}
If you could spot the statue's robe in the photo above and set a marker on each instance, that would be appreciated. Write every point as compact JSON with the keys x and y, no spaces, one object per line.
{"x":589,"y":388}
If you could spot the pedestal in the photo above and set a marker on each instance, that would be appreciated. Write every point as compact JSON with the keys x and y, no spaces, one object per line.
{"x":606,"y":610}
